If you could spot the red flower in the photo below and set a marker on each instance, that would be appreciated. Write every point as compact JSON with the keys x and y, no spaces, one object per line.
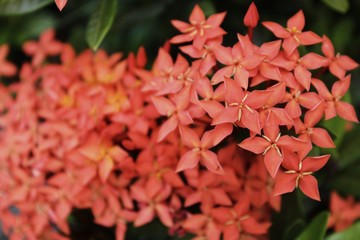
{"x":334,"y":105}
{"x":272,"y":145}
{"x":200,"y":29}
{"x":293,"y":35}
{"x":300,"y":65}
{"x":154,"y":203}
{"x":267,"y":70}
{"x":297,"y":98}
{"x":177,"y":114}
{"x":309,"y":133}
{"x":200,"y":148}
{"x":238,"y":221}
{"x":338,"y":64}
{"x":240,"y":61}
{"x":103,"y":154}
{"x":299,"y":174}
{"x":46,"y":46}
{"x":241,"y":106}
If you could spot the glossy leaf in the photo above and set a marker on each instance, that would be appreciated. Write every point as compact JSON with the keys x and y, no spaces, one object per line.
{"x":316,"y":229}
{"x":294,"y":229}
{"x":292,"y":210}
{"x":341,"y":6}
{"x":17,"y":7}
{"x":351,"y":233}
{"x":336,"y":126}
{"x":100,"y":23}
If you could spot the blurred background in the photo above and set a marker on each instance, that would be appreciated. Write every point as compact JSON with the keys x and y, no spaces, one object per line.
{"x":147,"y":23}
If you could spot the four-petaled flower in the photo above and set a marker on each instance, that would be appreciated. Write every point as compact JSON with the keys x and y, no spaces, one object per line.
{"x":293,"y":34}
{"x":199,"y":29}
{"x":199,"y":149}
{"x":298,"y":173}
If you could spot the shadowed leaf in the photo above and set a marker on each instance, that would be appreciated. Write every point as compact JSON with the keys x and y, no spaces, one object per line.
{"x":17,"y":7}
{"x":341,"y":6}
{"x":100,"y":23}
{"x":351,"y":233}
{"x":316,"y":229}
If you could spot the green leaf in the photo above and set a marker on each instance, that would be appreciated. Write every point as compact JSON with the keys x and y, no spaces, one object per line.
{"x":207,"y":7}
{"x":294,"y":229}
{"x":292,"y":210}
{"x":316,"y":229}
{"x":336,"y":126}
{"x":100,"y":23}
{"x":17,"y":7}
{"x":341,"y":6}
{"x":351,"y":233}
{"x":32,"y":26}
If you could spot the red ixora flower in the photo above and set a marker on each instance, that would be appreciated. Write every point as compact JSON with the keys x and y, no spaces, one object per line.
{"x":199,"y":149}
{"x":334,"y":106}
{"x":293,"y":34}
{"x":338,"y":64}
{"x":199,"y":29}
{"x":272,"y":145}
{"x":298,"y":173}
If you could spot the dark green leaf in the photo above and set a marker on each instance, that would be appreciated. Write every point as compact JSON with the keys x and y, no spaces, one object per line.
{"x":294,"y":229}
{"x":207,"y":7}
{"x":33,"y":26}
{"x":341,"y":6}
{"x":336,"y":126}
{"x":316,"y":229}
{"x":17,"y":7}
{"x":100,"y":23}
{"x":351,"y":233}
{"x":291,"y":211}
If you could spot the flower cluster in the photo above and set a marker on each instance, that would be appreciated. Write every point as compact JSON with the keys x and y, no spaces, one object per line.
{"x":206,"y":142}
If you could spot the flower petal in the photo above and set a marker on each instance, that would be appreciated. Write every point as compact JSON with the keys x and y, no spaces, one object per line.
{"x":210,"y":160}
{"x":313,"y":164}
{"x":308,"y":185}
{"x":256,"y":145}
{"x":284,"y":183}
{"x":145,"y":216}
{"x":297,"y":21}
{"x":189,"y":160}
{"x":272,"y":161}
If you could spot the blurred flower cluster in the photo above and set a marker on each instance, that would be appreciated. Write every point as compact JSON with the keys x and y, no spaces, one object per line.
{"x":205,"y":142}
